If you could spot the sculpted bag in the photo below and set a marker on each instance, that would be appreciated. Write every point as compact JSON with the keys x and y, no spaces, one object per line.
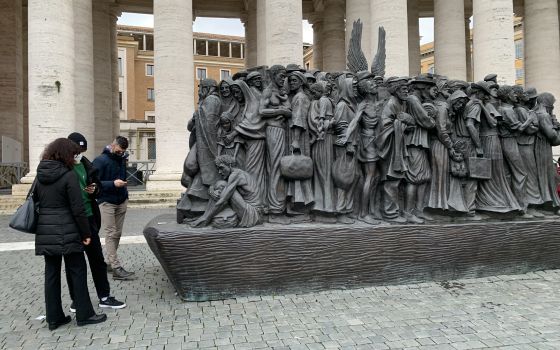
{"x":296,"y":167}
{"x":26,"y":216}
{"x":344,"y":171}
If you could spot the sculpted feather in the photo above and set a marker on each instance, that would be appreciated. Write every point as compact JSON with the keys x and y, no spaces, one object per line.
{"x":378,"y":64}
{"x":356,"y":59}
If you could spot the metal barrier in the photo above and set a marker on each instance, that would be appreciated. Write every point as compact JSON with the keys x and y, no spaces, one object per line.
{"x":138,"y":173}
{"x":11,"y":173}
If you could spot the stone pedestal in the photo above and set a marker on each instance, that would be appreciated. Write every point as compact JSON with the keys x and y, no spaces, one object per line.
{"x":212,"y":264}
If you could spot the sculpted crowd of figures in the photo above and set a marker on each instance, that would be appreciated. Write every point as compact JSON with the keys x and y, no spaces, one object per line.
{"x":284,"y":145}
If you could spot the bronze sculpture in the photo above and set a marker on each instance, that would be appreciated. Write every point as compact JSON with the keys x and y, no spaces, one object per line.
{"x":334,"y":147}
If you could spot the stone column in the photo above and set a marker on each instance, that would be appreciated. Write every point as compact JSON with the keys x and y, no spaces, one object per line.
{"x":102,"y":72}
{"x":334,"y":55}
{"x":173,"y":59}
{"x":542,"y":46}
{"x":83,"y":79}
{"x":360,"y":9}
{"x":393,"y":16}
{"x":318,"y":42}
{"x":11,"y":76}
{"x":116,"y":115}
{"x":251,"y":35}
{"x":25,"y":85}
{"x":413,"y":38}
{"x":449,"y":38}
{"x":279,"y":32}
{"x":261,"y":32}
{"x":493,"y":46}
{"x":51,"y":75}
{"x":468,"y":48}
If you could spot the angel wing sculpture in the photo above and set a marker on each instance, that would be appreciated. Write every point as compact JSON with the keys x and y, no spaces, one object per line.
{"x":357,"y":60}
{"x":355,"y":57}
{"x":378,"y":64}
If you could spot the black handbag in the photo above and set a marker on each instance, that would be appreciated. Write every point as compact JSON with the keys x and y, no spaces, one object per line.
{"x":26,"y":216}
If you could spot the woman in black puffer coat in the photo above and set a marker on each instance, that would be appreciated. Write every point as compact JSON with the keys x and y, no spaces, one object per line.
{"x":62,"y":231}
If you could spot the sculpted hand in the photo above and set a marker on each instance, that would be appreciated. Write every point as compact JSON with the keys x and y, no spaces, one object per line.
{"x":214,"y":195}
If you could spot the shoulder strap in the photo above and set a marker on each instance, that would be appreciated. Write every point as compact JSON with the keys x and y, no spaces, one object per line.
{"x":32,"y":189}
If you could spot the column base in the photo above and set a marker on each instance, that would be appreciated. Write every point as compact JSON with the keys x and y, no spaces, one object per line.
{"x":164,"y":182}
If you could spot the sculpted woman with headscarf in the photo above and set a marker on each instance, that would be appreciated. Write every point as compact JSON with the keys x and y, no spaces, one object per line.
{"x":300,"y":192}
{"x":322,"y":151}
{"x":547,"y":136}
{"x":343,"y":114}
{"x":251,"y":129}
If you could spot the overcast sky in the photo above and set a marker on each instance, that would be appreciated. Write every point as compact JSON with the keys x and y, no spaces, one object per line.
{"x":229,"y":26}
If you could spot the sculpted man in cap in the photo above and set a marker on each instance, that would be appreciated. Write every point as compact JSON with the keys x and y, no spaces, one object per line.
{"x":254,"y":80}
{"x":418,"y":174}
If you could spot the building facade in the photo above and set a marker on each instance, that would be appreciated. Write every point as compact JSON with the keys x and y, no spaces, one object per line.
{"x":61,"y":70}
{"x":215,"y":57}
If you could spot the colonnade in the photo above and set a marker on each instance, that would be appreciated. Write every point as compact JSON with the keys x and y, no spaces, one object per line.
{"x":73,"y":74}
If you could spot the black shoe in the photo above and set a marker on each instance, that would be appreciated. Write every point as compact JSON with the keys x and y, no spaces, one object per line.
{"x":112,"y":303}
{"x":55,"y":325}
{"x":93,"y":320}
{"x":73,"y":308}
{"x":121,"y":274}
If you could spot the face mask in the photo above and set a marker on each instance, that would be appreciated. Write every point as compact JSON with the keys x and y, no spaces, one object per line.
{"x":78,"y":158}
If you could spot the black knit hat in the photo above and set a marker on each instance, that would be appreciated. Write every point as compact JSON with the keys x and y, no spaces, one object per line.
{"x":79,"y":139}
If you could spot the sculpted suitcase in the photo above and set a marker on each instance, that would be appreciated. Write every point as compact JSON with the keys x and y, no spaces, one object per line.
{"x":480,"y":168}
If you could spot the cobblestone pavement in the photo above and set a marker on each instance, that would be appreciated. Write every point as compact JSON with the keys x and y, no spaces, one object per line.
{"x":506,"y":312}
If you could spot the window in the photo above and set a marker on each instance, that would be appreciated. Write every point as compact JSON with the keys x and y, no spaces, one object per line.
{"x":151,"y":149}
{"x":519,"y":73}
{"x":120,"y":100}
{"x":200,"y":73}
{"x":151,"y":118}
{"x":151,"y":94}
{"x":224,"y":73}
{"x":224,"y":49}
{"x":212,"y":48}
{"x":149,"y":70}
{"x":120,"y":67}
{"x":518,"y":49}
{"x":149,"y":42}
{"x":236,"y":50}
{"x":200,"y":47}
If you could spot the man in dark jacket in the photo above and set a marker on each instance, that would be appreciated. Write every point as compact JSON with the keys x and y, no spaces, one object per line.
{"x":91,"y":187}
{"x":113,"y":200}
